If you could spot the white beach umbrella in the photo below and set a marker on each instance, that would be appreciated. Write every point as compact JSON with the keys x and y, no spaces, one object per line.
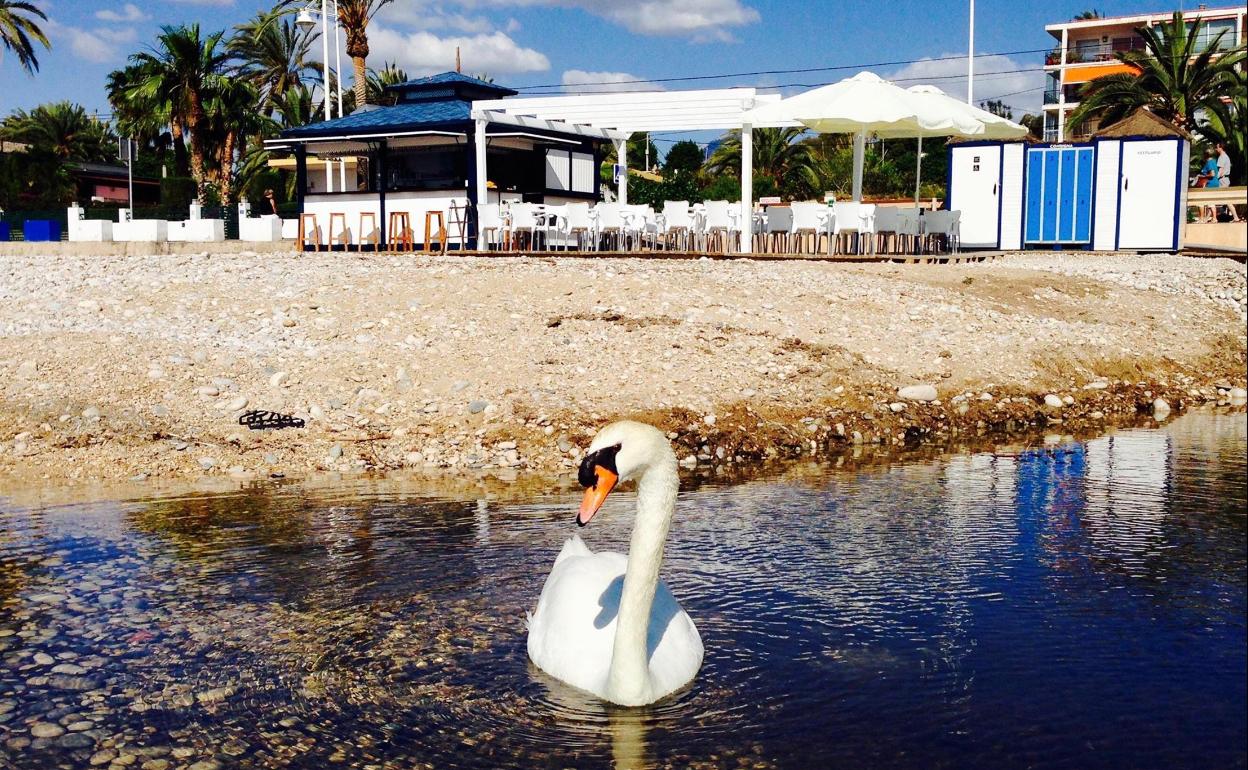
{"x":868,"y":104}
{"x":991,"y":126}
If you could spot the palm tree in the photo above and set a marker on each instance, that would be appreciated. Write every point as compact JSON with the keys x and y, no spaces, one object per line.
{"x":779,"y":157}
{"x":274,"y":54}
{"x":180,"y":73}
{"x":145,"y":119}
{"x":62,"y":129}
{"x":380,"y":80}
{"x":354,"y":16}
{"x":1176,"y":80}
{"x":19,"y":32}
{"x":232,"y":121}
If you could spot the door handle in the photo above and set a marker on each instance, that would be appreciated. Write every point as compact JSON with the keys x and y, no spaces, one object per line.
{"x":1126,"y":183}
{"x":994,"y":189}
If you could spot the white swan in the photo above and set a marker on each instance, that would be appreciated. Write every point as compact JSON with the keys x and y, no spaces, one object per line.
{"x":605,"y":623}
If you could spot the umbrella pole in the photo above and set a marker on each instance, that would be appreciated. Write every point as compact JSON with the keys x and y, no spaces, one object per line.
{"x":860,"y":152}
{"x":918,"y":171}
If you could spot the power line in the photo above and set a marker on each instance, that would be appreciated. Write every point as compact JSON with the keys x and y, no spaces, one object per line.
{"x":802,"y":71}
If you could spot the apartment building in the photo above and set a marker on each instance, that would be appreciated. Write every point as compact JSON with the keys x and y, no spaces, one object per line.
{"x":1086,"y":49}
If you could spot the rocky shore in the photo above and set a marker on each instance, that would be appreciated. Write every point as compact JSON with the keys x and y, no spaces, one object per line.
{"x":135,"y":367}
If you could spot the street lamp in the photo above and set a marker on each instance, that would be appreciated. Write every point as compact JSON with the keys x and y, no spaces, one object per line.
{"x":306,"y":20}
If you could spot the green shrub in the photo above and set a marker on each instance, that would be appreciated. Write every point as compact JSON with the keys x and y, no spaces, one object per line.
{"x":177,"y":191}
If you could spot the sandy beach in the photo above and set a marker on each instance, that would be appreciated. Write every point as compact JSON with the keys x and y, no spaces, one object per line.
{"x":138,"y":367}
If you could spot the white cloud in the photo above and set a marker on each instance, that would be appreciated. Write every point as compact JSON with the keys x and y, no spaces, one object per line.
{"x":697,"y":19}
{"x":1019,"y":85}
{"x":423,"y":53}
{"x":129,"y":13}
{"x":99,"y":46}
{"x":580,"y":81}
{"x":701,"y":19}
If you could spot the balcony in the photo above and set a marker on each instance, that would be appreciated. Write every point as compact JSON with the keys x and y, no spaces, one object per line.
{"x":1052,"y":96}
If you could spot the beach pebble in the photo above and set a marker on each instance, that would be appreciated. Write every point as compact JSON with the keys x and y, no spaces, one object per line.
{"x":46,"y":730}
{"x":1161,"y":409}
{"x":922,"y":393}
{"x":278,"y":379}
{"x":1053,"y":401}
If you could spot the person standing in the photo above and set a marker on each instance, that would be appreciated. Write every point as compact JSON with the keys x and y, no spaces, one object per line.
{"x":1224,"y":177}
{"x":1224,"y":167}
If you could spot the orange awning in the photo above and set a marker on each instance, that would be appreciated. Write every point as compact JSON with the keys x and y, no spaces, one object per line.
{"x":1093,"y":71}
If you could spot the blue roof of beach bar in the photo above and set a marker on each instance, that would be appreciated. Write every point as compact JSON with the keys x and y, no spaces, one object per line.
{"x":438,"y":101}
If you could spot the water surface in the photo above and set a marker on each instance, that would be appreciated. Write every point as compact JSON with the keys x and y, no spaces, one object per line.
{"x":1069,"y":607}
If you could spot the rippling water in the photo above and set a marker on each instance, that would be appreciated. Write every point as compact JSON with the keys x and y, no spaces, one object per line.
{"x":1080,"y":606}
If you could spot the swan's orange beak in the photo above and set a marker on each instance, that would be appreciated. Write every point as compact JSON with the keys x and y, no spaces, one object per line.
{"x":596,"y":495}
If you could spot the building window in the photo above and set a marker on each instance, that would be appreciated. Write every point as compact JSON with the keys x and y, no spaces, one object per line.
{"x":1208,"y":35}
{"x":427,"y":168}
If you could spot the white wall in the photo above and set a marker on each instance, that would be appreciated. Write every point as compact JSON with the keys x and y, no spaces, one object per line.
{"x":354,"y":204}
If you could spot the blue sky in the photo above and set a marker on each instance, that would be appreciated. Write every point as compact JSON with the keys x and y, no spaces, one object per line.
{"x":558,"y":43}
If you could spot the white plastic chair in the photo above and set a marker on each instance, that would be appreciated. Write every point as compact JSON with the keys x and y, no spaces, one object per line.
{"x":491,"y":227}
{"x":909,"y":227}
{"x":813,"y":219}
{"x":552,"y":217}
{"x":676,"y":223}
{"x":609,"y":221}
{"x":643,"y":225}
{"x":524,"y":218}
{"x":576,"y":222}
{"x":719,"y":221}
{"x":857,"y":218}
{"x":887,"y":227}
{"x":778,"y":228}
{"x":943,"y":224}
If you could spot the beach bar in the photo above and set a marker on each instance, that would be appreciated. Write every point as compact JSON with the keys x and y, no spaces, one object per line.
{"x":427,"y":160}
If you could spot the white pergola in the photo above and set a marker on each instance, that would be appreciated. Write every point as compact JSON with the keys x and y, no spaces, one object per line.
{"x":619,"y":115}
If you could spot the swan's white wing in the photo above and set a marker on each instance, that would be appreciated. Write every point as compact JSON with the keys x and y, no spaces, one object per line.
{"x":569,"y":635}
{"x":572,"y":631}
{"x":675,"y":642}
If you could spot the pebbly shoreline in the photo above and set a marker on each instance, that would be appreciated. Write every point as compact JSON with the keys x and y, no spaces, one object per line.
{"x":137,"y":367}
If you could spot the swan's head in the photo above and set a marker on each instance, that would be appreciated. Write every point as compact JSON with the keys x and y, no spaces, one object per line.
{"x":620,"y":452}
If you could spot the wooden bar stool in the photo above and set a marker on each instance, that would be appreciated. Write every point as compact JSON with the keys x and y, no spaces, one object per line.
{"x":374,"y":233}
{"x":430,"y":233}
{"x":304,"y":219}
{"x":400,"y":232}
{"x":339,"y":217}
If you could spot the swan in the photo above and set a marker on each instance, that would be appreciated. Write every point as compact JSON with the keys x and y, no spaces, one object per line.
{"x":605,"y":623}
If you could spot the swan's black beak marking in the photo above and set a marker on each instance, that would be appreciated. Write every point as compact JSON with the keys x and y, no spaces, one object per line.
{"x":598,"y":475}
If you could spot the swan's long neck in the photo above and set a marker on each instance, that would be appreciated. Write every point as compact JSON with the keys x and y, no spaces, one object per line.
{"x":629,"y":679}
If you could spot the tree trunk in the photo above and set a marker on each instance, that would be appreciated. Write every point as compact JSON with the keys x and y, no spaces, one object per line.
{"x":361,"y":81}
{"x":227,"y":167}
{"x":194,"y":121}
{"x":181,"y":163}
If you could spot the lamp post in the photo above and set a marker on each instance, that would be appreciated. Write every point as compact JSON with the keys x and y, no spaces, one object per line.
{"x":970,"y":60}
{"x":306,"y":20}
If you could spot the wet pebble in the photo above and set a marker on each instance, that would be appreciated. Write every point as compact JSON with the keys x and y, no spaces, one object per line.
{"x":46,"y":730}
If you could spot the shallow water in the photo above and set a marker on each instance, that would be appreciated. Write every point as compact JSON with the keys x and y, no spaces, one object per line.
{"x":1073,"y":607}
